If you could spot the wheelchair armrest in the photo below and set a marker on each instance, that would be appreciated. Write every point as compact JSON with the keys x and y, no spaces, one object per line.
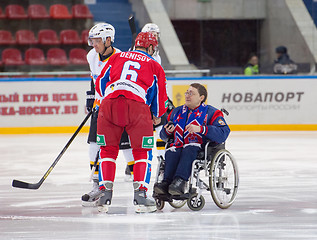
{"x":210,"y":148}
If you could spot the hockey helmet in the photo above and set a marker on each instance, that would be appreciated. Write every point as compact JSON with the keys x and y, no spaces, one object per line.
{"x":101,"y":30}
{"x":145,"y":39}
{"x":151,"y":27}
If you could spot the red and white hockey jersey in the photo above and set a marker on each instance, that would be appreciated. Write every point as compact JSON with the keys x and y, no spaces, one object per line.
{"x":135,"y":75}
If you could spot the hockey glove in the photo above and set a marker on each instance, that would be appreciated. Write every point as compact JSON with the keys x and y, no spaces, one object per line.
{"x":90,"y":98}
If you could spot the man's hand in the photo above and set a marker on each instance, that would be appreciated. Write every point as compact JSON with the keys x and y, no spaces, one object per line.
{"x":156,"y":120}
{"x":191,"y":128}
{"x":169,"y":127}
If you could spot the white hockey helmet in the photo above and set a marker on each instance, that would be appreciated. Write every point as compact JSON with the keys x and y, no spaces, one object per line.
{"x":151,"y":27}
{"x":101,"y":30}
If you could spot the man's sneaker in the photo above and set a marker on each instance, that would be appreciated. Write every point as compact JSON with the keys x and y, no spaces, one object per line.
{"x":177,"y":187}
{"x":104,"y":201}
{"x":142,"y":203}
{"x":90,"y":199}
{"x":161,"y":188}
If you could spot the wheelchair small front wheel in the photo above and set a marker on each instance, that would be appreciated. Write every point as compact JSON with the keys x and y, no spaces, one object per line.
{"x":195,"y":203}
{"x":159,"y":204}
{"x":224,"y":179}
{"x":177,"y":203}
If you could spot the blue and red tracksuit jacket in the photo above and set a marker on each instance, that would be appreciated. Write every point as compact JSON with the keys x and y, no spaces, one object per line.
{"x":212,"y":124}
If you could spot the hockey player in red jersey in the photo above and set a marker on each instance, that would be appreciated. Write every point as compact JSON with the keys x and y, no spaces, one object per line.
{"x":131,"y":86}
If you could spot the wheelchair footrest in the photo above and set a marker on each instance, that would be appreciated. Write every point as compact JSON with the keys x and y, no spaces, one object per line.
{"x":169,"y":197}
{"x":163,"y":197}
{"x":184,"y":196}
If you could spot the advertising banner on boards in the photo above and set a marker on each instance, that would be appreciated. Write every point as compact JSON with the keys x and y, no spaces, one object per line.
{"x":251,"y":101}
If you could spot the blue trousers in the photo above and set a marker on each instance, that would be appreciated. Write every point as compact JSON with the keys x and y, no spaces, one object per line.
{"x":179,"y":163}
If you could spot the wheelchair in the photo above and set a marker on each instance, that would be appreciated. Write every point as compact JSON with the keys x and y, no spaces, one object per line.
{"x":214,"y":170}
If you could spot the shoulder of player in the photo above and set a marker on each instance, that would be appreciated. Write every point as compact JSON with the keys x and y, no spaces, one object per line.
{"x":157,"y":58}
{"x":91,"y":55}
{"x":115,"y":52}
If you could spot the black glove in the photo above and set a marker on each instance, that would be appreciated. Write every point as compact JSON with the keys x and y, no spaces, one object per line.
{"x":170,"y":106}
{"x":90,"y":99}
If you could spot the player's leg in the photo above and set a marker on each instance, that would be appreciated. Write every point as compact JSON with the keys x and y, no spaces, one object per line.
{"x":108,"y":137}
{"x":140,"y":130}
{"x":90,"y":199}
{"x":142,"y":176}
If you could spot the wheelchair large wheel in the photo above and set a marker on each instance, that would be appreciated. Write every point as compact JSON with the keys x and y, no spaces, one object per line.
{"x":224,"y":179}
{"x":195,"y":203}
{"x":177,"y":203}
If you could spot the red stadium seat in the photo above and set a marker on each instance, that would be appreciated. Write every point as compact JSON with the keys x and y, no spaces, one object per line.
{"x":48,"y":37}
{"x":81,"y":11}
{"x":70,"y":36}
{"x":2,"y":15}
{"x":15,"y":11}
{"x":35,"y":56}
{"x":84,"y":36}
{"x":77,"y":56}
{"x":57,"y":57}
{"x":12,"y":57}
{"x":6,"y":38}
{"x":25,"y":37}
{"x":37,"y":11}
{"x":59,"y":11}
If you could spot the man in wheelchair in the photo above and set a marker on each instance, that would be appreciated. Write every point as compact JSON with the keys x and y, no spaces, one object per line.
{"x":189,"y":126}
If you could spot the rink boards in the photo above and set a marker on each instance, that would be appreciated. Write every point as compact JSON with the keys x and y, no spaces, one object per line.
{"x":57,"y":105}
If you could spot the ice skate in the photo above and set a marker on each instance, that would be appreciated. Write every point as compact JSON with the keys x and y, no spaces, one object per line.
{"x":142,"y":203}
{"x":90,"y":199}
{"x":105,"y":199}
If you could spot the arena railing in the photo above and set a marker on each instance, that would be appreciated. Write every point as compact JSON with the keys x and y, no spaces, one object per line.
{"x":203,"y":72}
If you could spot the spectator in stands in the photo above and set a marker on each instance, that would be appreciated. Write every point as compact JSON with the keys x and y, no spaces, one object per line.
{"x":283,"y":64}
{"x":252,"y":66}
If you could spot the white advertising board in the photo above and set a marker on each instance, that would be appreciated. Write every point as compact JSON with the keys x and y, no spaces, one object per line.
{"x":46,"y":103}
{"x":261,"y":100}
{"x":258,"y":100}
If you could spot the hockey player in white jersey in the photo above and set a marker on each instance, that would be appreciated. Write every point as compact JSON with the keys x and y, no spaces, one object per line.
{"x":154,"y":29}
{"x":101,"y":37}
{"x":160,"y":144}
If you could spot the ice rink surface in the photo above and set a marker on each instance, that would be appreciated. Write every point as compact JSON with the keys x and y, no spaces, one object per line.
{"x":277,"y":196}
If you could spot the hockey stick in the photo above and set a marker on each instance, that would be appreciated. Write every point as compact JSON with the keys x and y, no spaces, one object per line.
{"x":133,"y":30}
{"x":93,"y":169}
{"x":21,"y":184}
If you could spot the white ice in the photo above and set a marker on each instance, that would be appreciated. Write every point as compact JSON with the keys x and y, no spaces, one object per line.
{"x":277,"y":196}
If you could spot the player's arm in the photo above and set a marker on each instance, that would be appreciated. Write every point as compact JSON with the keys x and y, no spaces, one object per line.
{"x":162,"y":94}
{"x":102,"y":80}
{"x":168,"y":129}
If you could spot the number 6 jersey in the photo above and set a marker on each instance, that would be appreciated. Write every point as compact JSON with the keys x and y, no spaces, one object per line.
{"x":135,"y":75}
